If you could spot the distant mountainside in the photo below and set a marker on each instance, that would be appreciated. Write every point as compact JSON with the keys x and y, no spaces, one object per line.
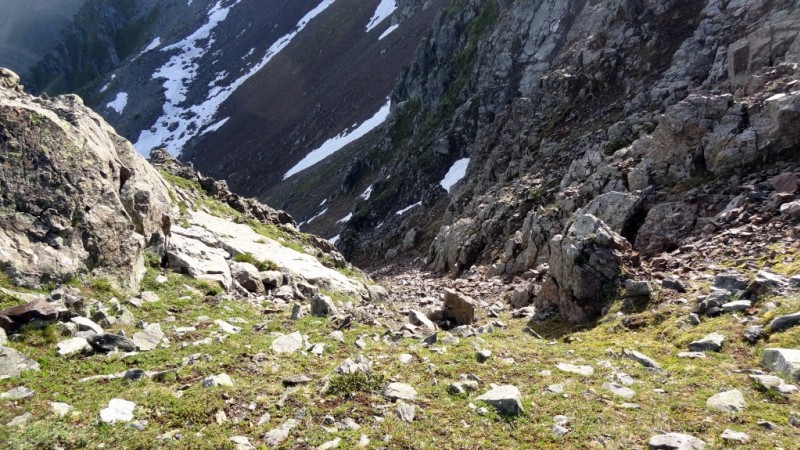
{"x":29,"y":29}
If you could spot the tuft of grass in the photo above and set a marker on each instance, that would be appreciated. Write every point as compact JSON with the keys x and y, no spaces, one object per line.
{"x":349,"y":384}
{"x":260,"y":265}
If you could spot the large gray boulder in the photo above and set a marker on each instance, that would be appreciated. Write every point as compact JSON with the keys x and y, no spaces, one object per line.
{"x":76,"y":197}
{"x":615,"y":209}
{"x":585,"y":267}
{"x":13,"y":363}
{"x":784,"y":361}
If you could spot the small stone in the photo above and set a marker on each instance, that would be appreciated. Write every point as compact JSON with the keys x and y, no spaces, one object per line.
{"x":241,"y":443}
{"x":330,"y":444}
{"x":556,"y":388}
{"x":19,"y":420}
{"x":350,"y":424}
{"x":222,"y":379}
{"x":641,"y":359}
{"x":673,"y":284}
{"x":220,"y":417}
{"x":405,"y":359}
{"x":399,"y":391}
{"x":458,"y":308}
{"x":506,"y":399}
{"x":692,"y":355}
{"x":226,"y":327}
{"x":735,"y":436}
{"x":149,"y":338}
{"x":771,"y":382}
{"x":784,"y":322}
{"x":18,"y":393}
{"x":150,"y":296}
{"x":483,"y":355}
{"x":753,"y":333}
{"x":635,"y":288}
{"x":712,"y":342}
{"x":694,"y":319}
{"x":559,"y":431}
{"x":295,"y":380}
{"x":676,"y":441}
{"x":405,"y":411}
{"x":85,"y":324}
{"x":73,"y":346}
{"x":297,"y":310}
{"x":579,"y":370}
{"x":738,"y":305}
{"x":60,"y":409}
{"x":783,"y":361}
{"x":337,"y":336}
{"x":106,"y":343}
{"x":619,"y":391}
{"x":730,"y":281}
{"x":288,"y":343}
{"x":421,"y":320}
{"x":322,"y":306}
{"x":275,"y":437}
{"x":363,"y":441}
{"x":118,"y":410}
{"x":728,"y":401}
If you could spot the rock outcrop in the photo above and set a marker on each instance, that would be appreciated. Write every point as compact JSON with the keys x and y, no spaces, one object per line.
{"x":586,"y":265}
{"x":76,"y":197}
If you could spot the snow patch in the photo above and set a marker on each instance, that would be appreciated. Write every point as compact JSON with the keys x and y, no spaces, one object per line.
{"x":119,"y":103}
{"x":456,"y":173}
{"x":405,"y":210}
{"x":389,"y":31}
{"x":312,"y":219}
{"x":336,"y":143}
{"x":105,"y":87}
{"x":215,"y":126}
{"x":367,"y":194}
{"x":345,"y":218}
{"x":334,"y":239}
{"x":179,"y":72}
{"x":385,"y":9}
{"x":152,"y":45}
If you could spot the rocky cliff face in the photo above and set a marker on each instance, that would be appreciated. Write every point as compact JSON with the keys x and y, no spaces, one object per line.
{"x":76,"y":197}
{"x":619,"y":109}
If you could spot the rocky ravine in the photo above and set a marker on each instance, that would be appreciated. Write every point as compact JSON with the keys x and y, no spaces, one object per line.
{"x":147,"y":306}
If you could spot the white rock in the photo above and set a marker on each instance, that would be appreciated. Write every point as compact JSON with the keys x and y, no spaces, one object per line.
{"x":85,"y":324}
{"x":222,"y":379}
{"x":226,"y":327}
{"x":735,"y":436}
{"x":506,"y":399}
{"x":276,"y":436}
{"x":118,"y":410}
{"x":619,"y":391}
{"x":149,"y":338}
{"x":783,"y":361}
{"x":676,"y":441}
{"x":60,"y":409}
{"x":405,"y":359}
{"x":728,"y":401}
{"x":288,"y":343}
{"x":330,"y":444}
{"x":399,"y":391}
{"x":241,"y":443}
{"x":18,"y":393}
{"x":579,"y":370}
{"x":72,"y":346}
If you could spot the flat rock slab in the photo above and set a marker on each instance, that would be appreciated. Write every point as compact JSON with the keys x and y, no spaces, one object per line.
{"x":222,"y":379}
{"x":675,"y":441}
{"x":149,"y":338}
{"x":506,"y":399}
{"x":406,"y":412}
{"x":728,"y":401}
{"x":118,"y":410}
{"x":60,"y":409}
{"x":784,"y":361}
{"x":85,"y":324}
{"x":579,"y":370}
{"x":13,"y":363}
{"x":642,"y":359}
{"x":288,"y":343}
{"x":295,"y":380}
{"x":735,"y":436}
{"x":73,"y":346}
{"x":276,"y":436}
{"x":783,"y":322}
{"x":399,"y":391}
{"x":619,"y":390}
{"x":18,"y":393}
{"x":712,"y":342}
